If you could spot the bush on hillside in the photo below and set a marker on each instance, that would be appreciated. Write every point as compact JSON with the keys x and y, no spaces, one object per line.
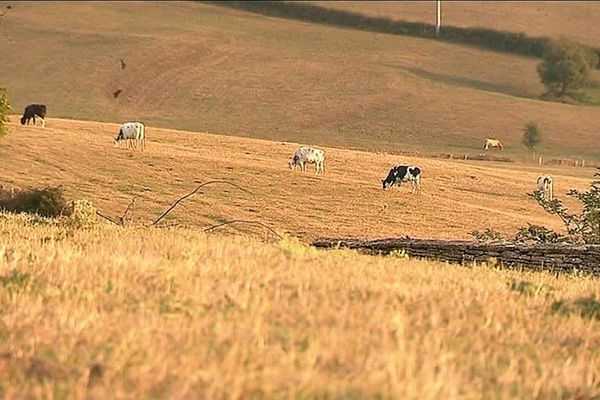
{"x":532,"y":136}
{"x":566,"y":66}
{"x":4,"y":111}
{"x":510,"y":42}
{"x":581,"y":228}
{"x":46,"y":202}
{"x":82,"y":215}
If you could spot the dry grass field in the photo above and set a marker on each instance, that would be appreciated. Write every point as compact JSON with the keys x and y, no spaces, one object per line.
{"x":173,"y":313}
{"x":457,"y":196}
{"x":207,"y":68}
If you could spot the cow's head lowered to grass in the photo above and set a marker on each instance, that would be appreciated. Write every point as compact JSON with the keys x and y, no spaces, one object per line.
{"x":402,"y":173}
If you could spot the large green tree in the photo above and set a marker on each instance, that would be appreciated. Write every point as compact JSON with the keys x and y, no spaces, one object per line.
{"x":566,"y":65}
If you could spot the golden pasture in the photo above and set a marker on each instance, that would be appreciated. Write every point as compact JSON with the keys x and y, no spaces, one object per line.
{"x":174,"y":313}
{"x":457,"y":196}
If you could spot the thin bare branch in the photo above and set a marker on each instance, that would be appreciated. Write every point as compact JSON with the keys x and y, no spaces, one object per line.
{"x":5,"y":11}
{"x":122,"y":217}
{"x":245,"y":222}
{"x":98,"y":213}
{"x":5,"y":25}
{"x":168,"y":210}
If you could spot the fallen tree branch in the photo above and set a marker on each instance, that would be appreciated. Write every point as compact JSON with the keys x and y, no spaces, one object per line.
{"x":98,"y":213}
{"x":4,"y":24}
{"x":122,"y":217}
{"x":245,"y":222}
{"x":164,"y":214}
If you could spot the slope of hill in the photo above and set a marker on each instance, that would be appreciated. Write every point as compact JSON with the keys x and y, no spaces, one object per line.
{"x":205,"y":68}
{"x":348,"y":199}
{"x":575,"y":19}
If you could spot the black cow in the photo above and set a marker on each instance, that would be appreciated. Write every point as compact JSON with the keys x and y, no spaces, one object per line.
{"x":403,"y":173}
{"x":33,"y":110}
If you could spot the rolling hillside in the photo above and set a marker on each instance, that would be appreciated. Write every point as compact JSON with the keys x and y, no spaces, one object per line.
{"x":457,"y":196}
{"x":575,"y":19}
{"x":205,"y":68}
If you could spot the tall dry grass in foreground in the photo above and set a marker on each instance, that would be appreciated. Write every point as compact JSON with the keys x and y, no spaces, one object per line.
{"x":171,"y":313}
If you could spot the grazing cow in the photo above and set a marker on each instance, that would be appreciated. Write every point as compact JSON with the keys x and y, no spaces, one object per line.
{"x":33,"y":110}
{"x":402,"y":173}
{"x":134,"y":131}
{"x":545,"y":186}
{"x":493,"y":143}
{"x":308,"y":155}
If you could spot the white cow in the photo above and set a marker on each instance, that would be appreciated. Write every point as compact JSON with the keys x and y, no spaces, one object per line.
{"x":308,"y":155}
{"x":545,"y":185}
{"x":493,"y":143}
{"x":134,"y":132}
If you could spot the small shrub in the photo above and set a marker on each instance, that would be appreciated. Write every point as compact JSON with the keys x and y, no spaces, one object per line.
{"x":539,"y":234}
{"x":582,"y":228}
{"x":532,"y":136}
{"x":530,"y":289}
{"x":82,"y":215}
{"x":398,"y":254}
{"x":15,"y":280}
{"x":585,"y":307}
{"x":4,"y":111}
{"x":489,"y":235}
{"x":585,"y":226}
{"x":46,"y":202}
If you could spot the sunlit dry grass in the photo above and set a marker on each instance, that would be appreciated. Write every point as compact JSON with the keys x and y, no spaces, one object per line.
{"x":166,"y":313}
{"x":347,"y":200}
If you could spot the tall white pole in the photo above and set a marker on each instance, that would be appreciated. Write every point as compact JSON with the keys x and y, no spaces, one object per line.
{"x":438,"y":16}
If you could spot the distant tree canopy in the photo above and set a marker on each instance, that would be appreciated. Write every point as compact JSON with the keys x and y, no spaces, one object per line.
{"x":566,"y":66}
{"x":532,"y":136}
{"x":4,"y":111}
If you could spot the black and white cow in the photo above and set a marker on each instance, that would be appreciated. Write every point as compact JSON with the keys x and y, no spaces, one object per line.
{"x":33,"y":110}
{"x":546,"y":187}
{"x":134,"y":132}
{"x":402,"y":173}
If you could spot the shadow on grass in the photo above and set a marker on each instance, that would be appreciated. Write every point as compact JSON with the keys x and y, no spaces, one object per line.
{"x":502,"y":41}
{"x":462,"y":81}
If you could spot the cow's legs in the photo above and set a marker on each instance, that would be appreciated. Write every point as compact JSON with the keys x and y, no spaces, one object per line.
{"x":43,"y":122}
